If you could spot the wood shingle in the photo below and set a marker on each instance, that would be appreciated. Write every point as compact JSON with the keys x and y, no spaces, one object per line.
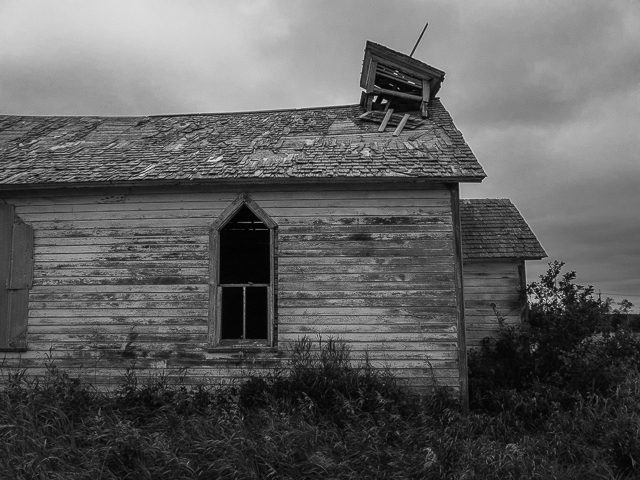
{"x":494,"y":228}
{"x":309,"y":143}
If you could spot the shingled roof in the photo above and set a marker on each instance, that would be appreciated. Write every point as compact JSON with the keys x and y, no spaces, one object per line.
{"x":312,"y":143}
{"x":494,"y":228}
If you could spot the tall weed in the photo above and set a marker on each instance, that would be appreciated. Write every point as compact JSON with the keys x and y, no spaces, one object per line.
{"x":322,"y":380}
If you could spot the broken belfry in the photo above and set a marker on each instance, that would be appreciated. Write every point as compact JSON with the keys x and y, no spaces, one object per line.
{"x":397,"y":88}
{"x":207,"y":244}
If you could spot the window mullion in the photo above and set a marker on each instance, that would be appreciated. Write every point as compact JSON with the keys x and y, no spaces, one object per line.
{"x":244,"y":313}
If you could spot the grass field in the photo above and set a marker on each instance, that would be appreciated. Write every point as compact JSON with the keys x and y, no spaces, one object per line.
{"x":322,"y":417}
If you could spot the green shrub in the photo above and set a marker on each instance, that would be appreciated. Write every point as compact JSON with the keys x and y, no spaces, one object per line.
{"x":601,"y":361}
{"x":568,"y":374}
{"x":567,"y":344}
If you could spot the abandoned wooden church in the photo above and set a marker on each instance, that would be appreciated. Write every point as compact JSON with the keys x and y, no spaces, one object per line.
{"x":208,"y":243}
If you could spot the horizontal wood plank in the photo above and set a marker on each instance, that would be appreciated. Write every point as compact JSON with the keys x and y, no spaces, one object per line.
{"x":435,"y":320}
{"x":368,"y":260}
{"x":407,"y":278}
{"x":130,"y":321}
{"x":128,"y":280}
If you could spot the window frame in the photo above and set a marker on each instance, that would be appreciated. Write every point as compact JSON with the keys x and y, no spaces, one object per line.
{"x":215,"y":288}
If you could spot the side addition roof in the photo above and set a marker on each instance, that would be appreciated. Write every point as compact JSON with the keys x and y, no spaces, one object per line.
{"x":314,"y":143}
{"x":494,"y":228}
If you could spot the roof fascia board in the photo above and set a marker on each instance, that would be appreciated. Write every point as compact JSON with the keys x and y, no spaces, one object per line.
{"x":242,"y":181}
{"x":495,"y":257}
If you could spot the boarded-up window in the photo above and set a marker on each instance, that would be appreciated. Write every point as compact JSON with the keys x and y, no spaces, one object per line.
{"x":16,"y":273}
{"x":243,"y":241}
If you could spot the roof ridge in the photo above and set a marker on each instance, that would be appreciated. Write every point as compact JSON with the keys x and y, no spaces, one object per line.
{"x":241,"y":112}
{"x":198,"y":114}
{"x":192,"y":114}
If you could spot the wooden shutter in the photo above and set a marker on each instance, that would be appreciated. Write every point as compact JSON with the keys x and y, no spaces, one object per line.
{"x":21,"y":257}
{"x":6,"y":231}
{"x":16,"y":275}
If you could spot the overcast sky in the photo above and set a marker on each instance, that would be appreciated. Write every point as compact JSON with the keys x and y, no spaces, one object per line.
{"x":547,"y":94}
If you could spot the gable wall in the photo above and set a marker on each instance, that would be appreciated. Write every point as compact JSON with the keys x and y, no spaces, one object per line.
{"x":122,"y":276}
{"x":492,"y":280}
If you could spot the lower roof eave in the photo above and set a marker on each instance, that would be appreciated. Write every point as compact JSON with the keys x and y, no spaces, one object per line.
{"x":504,"y":257}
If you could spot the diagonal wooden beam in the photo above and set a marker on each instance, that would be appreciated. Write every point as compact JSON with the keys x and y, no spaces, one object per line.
{"x":401,"y":125}
{"x":387,"y":116}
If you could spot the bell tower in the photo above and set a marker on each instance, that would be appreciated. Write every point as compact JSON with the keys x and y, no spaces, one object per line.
{"x":395,"y":82}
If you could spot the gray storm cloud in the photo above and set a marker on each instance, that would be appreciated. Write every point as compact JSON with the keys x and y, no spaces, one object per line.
{"x":546,"y":94}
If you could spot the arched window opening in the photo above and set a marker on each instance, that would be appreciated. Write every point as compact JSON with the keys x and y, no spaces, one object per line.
{"x":245,"y":277}
{"x":242,"y":273}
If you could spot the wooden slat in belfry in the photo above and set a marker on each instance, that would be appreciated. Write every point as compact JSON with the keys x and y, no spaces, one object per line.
{"x":394,"y":93}
{"x":371,"y":76}
{"x":401,"y":125}
{"x":395,"y":74}
{"x":426,"y":93}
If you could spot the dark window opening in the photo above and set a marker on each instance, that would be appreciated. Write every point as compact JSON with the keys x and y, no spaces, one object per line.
{"x":244,"y":250}
{"x":232,"y":312}
{"x":245,"y":277}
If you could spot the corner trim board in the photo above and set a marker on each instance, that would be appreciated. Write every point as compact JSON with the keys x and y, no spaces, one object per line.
{"x":459,"y":285}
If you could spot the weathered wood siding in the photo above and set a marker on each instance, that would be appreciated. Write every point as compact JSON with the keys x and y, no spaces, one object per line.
{"x":121,"y":275}
{"x":491,"y":281}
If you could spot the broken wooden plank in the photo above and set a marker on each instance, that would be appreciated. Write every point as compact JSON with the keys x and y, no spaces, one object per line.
{"x":386,"y":119}
{"x":401,"y":125}
{"x":395,"y":119}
